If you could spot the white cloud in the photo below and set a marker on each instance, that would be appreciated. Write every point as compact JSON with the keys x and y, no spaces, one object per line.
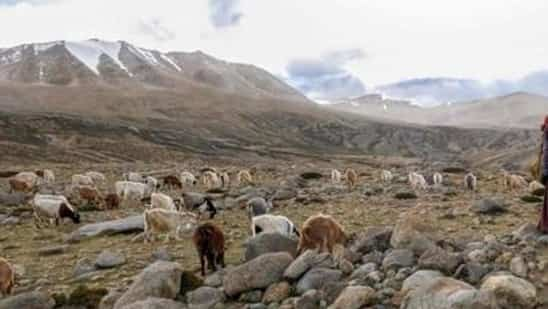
{"x":484,"y":40}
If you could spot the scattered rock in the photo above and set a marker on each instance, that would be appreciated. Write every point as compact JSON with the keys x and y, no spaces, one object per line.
{"x":316,"y":278}
{"x":269,"y":243}
{"x":489,"y":206}
{"x":412,"y":234}
{"x":246,"y":277}
{"x":309,"y":300}
{"x":126,"y":225}
{"x":309,"y":259}
{"x":155,"y":303}
{"x":83,"y":266}
{"x":471,"y":272}
{"x":205,"y":297}
{"x":398,"y":258}
{"x":374,"y":238}
{"x":30,"y":300}
{"x":53,"y":250}
{"x":109,"y":259}
{"x":518,"y":267}
{"x":251,"y":296}
{"x":108,"y":301}
{"x":418,"y":279}
{"x":277,"y":292}
{"x":86,"y":297}
{"x":161,"y":279}
{"x":354,"y":297}
{"x":510,"y":291}
{"x":439,"y":259}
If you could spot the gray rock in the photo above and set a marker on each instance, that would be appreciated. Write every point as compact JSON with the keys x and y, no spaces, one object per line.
{"x":510,"y":291}
{"x":161,"y":279}
{"x":109,"y":259}
{"x":246,"y":277}
{"x":108,"y":301}
{"x":418,"y":279}
{"x":518,"y":267}
{"x":83,"y":266}
{"x":155,"y":303}
{"x":447,"y":293}
{"x":398,"y":258}
{"x":11,"y":221}
{"x":53,"y":250}
{"x":269,"y":243}
{"x":363,"y":271}
{"x":309,"y":300}
{"x":216,"y":279}
{"x":316,"y":278}
{"x":374,"y":238}
{"x":161,"y":254}
{"x":251,"y":296}
{"x":413,"y":235}
{"x":204,"y":298}
{"x":354,"y":297}
{"x":13,"y":199}
{"x":373,"y":257}
{"x":126,"y":225}
{"x":439,"y":259}
{"x":489,"y":206}
{"x":284,"y":194}
{"x":309,"y":259}
{"x":471,"y":272}
{"x":30,"y":300}
{"x":277,"y":292}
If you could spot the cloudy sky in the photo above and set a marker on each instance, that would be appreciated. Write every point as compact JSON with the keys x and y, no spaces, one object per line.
{"x":326,"y":48}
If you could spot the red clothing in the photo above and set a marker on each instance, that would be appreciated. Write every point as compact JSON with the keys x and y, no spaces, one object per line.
{"x":543,"y":222}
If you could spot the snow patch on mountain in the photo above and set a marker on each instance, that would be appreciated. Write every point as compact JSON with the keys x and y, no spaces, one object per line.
{"x":11,"y":56}
{"x":41,"y":47}
{"x":168,"y":60}
{"x":90,"y":51}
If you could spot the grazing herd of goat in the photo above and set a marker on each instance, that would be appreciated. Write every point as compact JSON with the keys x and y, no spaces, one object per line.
{"x":174,"y":217}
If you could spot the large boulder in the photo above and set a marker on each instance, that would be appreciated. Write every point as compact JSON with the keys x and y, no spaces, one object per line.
{"x":447,"y":293}
{"x":125,"y":225}
{"x":398,"y":258}
{"x":31,"y":300}
{"x":277,"y":292}
{"x":317,"y":278}
{"x":155,"y":303}
{"x":161,"y":279}
{"x":304,"y":262}
{"x":204,"y":298}
{"x":374,"y":238}
{"x":269,"y":243}
{"x":418,"y":279}
{"x":511,"y":291}
{"x":413,"y":234}
{"x":258,"y":273}
{"x":354,"y":297}
{"x":471,"y":272}
{"x":109,"y":259}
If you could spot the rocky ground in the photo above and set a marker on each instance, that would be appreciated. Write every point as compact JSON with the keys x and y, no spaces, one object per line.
{"x":440,"y":248}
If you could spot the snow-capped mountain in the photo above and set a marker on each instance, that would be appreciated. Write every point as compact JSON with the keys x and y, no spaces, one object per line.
{"x":120,"y":63}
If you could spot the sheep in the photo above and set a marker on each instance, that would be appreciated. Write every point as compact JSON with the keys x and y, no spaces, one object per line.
{"x":244,"y":177}
{"x":96,"y":176}
{"x":7,"y":277}
{"x":54,"y":207}
{"x":351,"y":178}
{"x":336,"y":176}
{"x":258,"y":206}
{"x":158,"y":220}
{"x":81,"y":180}
{"x":48,"y":176}
{"x":513,"y":182}
{"x":321,"y":232}
{"x":133,"y":177}
{"x":438,"y":179}
{"x":273,"y":224}
{"x":133,"y":190}
{"x":209,"y":241}
{"x":535,"y":186}
{"x":417,"y":181}
{"x":225,"y":180}
{"x":19,"y":186}
{"x":164,"y":201}
{"x":386,"y":176}
{"x":211,"y":180}
{"x":172,"y":181}
{"x":30,"y":178}
{"x":188,"y":179}
{"x":470,"y":182}
{"x":112,"y":201}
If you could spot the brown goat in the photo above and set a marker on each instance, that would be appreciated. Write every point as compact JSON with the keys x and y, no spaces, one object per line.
{"x":321,"y":232}
{"x":112,"y":201}
{"x":89,"y":194}
{"x":19,"y":186}
{"x":351,"y":178}
{"x":7,"y":277}
{"x":209,"y":241}
{"x":172,"y":182}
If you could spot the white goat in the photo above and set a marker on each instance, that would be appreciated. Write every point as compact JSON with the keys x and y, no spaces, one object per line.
{"x":272,"y":224}
{"x":160,"y":220}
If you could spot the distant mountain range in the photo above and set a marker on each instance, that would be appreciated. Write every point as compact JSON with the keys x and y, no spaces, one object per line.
{"x":517,"y":110}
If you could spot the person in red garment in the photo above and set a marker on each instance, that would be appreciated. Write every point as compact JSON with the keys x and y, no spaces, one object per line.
{"x":543,"y":223}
